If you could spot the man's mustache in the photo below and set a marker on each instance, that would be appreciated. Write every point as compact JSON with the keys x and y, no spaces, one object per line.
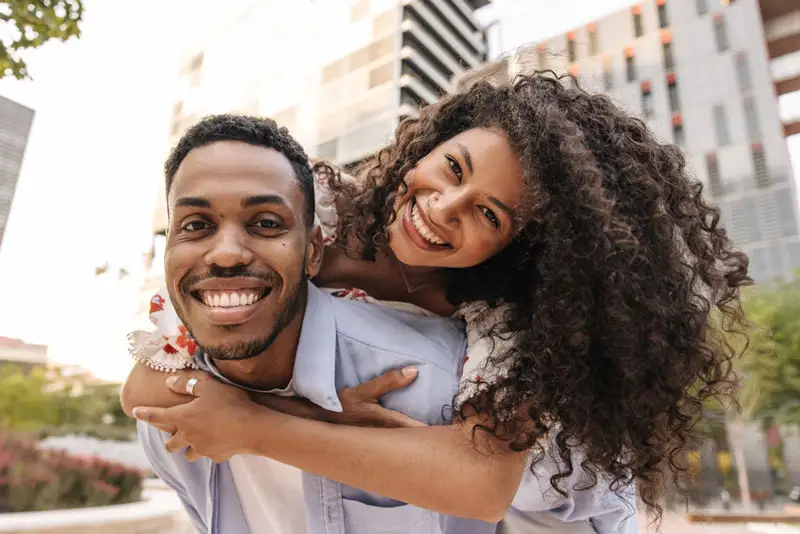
{"x":270,"y":277}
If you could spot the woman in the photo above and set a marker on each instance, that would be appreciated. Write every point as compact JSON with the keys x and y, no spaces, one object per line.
{"x":594,"y":301}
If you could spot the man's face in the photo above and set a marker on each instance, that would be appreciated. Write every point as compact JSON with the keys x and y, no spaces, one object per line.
{"x":238,"y":250}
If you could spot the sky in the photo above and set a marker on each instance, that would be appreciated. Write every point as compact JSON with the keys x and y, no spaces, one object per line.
{"x":90,"y":177}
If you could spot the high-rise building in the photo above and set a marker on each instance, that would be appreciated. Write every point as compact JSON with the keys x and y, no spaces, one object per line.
{"x":15,"y":125}
{"x":339,"y":74}
{"x":707,"y":76}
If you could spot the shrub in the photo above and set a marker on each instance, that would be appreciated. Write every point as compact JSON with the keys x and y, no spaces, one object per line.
{"x":32,"y":479}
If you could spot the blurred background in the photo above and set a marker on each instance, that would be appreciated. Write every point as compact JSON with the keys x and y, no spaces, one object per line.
{"x":93,"y":94}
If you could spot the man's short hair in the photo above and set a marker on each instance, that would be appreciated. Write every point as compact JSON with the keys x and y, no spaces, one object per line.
{"x":254,"y":131}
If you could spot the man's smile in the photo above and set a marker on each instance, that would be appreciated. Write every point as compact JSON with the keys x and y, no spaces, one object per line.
{"x":230,"y":301}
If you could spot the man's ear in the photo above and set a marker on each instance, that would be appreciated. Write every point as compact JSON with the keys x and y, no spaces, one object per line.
{"x":314,"y":252}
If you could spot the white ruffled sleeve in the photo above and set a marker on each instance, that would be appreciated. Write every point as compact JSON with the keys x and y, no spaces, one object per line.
{"x":325,"y":215}
{"x":482,"y":343}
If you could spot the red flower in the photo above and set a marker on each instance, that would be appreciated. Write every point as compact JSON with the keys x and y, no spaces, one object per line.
{"x":156,"y":304}
{"x":185,"y":341}
{"x":169,"y":349}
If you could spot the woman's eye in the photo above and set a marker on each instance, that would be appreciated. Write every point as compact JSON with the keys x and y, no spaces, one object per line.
{"x":195,"y":226}
{"x":455,"y":167}
{"x":491,"y":217}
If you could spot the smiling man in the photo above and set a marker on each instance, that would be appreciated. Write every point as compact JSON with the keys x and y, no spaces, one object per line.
{"x":241,"y":248}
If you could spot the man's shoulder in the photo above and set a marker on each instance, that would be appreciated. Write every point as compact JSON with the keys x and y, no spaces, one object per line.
{"x":398,"y":331}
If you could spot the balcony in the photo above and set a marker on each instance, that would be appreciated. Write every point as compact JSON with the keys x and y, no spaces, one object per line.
{"x":772,"y":9}
{"x":431,"y":46}
{"x":782,"y":31}
{"x":786,"y":73}
{"x":425,"y":66}
{"x":457,"y":49}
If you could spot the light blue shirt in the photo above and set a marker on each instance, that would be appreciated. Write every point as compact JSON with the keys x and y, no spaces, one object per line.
{"x":342,"y":344}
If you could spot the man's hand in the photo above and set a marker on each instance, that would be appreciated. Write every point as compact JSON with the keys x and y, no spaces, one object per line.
{"x":214,"y":424}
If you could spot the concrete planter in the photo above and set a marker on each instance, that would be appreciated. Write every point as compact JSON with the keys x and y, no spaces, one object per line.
{"x":159,"y":512}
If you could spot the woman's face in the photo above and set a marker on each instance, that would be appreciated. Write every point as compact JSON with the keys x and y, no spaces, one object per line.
{"x":459,"y":209}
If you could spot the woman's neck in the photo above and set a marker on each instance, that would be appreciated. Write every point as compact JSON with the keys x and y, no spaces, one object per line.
{"x":385,"y":279}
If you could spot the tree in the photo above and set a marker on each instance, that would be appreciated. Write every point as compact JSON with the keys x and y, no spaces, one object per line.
{"x":31,"y":23}
{"x":771,"y":365}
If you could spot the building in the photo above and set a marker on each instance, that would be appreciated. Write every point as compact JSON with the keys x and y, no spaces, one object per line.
{"x":21,"y":354}
{"x":354,"y":71}
{"x":15,"y":125}
{"x":707,"y":75}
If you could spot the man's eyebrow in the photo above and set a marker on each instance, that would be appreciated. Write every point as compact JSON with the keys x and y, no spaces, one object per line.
{"x":192,"y":202}
{"x":257,"y":200}
{"x":466,"y":155}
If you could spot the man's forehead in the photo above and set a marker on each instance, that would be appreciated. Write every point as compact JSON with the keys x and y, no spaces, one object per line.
{"x":234,"y":168}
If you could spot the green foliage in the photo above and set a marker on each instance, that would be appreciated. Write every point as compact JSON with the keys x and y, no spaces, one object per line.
{"x":31,"y":23}
{"x":771,"y":365}
{"x":37,"y":479}
{"x":45,"y":402}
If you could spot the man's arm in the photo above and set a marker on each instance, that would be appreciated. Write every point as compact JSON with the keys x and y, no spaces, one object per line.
{"x":166,"y":467}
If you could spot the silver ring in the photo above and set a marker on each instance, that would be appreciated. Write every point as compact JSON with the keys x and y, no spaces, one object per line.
{"x":190,"y":385}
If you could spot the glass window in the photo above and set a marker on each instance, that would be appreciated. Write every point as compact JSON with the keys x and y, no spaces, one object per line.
{"x":721,"y":125}
{"x":720,"y":34}
{"x":630,"y":67}
{"x":663,"y":18}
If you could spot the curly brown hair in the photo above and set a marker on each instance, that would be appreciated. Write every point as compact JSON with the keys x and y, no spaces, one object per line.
{"x":612,"y":282}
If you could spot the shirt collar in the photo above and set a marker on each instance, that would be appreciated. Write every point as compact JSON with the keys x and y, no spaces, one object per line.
{"x":314,"y":375}
{"x":315,"y":363}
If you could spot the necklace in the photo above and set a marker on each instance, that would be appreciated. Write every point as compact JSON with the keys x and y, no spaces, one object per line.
{"x":410,"y":288}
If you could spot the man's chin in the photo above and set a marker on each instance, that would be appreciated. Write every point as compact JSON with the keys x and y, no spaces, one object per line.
{"x":240,"y":350}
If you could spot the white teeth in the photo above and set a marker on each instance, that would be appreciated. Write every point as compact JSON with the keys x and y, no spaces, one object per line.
{"x":229,"y":299}
{"x":423,"y":229}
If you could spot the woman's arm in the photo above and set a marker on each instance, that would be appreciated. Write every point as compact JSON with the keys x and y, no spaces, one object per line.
{"x":439,"y":468}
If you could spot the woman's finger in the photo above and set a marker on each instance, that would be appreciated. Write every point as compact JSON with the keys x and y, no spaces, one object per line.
{"x":185,"y":384}
{"x":192,"y":455}
{"x":373,"y":390}
{"x":175,"y":444}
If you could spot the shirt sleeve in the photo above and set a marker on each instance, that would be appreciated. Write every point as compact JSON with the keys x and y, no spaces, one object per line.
{"x":607,"y":511}
{"x":166,"y":467}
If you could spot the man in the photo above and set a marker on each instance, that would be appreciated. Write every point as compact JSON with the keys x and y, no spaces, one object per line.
{"x":240,"y":250}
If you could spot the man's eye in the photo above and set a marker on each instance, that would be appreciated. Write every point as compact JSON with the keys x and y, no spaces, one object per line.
{"x":267,"y":224}
{"x":195,"y":226}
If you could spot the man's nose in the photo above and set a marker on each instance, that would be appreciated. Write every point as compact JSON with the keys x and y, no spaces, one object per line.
{"x":230,"y":248}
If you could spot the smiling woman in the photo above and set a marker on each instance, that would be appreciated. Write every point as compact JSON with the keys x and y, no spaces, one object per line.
{"x":456,"y":210}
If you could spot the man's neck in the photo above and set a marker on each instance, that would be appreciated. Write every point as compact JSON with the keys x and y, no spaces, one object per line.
{"x":273,"y":368}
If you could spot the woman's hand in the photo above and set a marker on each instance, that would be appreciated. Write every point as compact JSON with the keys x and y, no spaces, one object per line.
{"x":215,"y":424}
{"x":360,"y":404}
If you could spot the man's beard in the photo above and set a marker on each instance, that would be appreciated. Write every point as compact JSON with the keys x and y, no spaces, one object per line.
{"x":245,"y":350}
